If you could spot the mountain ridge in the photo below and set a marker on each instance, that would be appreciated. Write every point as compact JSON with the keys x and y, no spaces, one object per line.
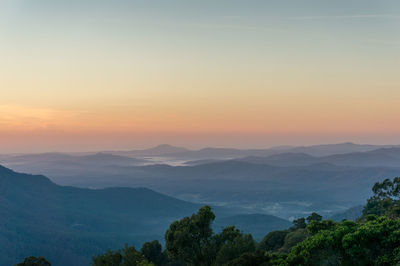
{"x":69,"y":225}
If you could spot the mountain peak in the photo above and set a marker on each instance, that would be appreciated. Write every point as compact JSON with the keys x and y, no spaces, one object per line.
{"x":166,"y":148}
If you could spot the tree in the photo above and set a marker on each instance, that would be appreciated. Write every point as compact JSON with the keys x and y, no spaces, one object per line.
{"x":299,"y":223}
{"x":273,"y":240}
{"x":233,"y":248}
{"x":386,"y":199}
{"x":315,"y":226}
{"x":128,"y":256}
{"x":257,"y":258}
{"x":109,"y":258}
{"x":387,"y":189}
{"x":372,"y":242}
{"x":314,"y":217}
{"x":152,"y":251}
{"x":190,"y":239}
{"x":34,"y":261}
{"x":131,"y":257}
{"x":293,"y":238}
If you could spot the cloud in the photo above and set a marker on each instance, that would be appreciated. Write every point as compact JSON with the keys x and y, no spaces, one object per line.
{"x":355,"y":16}
{"x":26,"y":118}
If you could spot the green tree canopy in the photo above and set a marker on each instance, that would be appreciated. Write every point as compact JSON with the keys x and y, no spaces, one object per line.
{"x":153,"y":252}
{"x":34,"y":261}
{"x":314,"y":217}
{"x":299,"y":223}
{"x":128,"y":256}
{"x":386,"y":199}
{"x":189,"y":239}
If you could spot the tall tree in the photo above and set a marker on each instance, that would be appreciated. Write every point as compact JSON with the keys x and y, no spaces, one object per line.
{"x":34,"y":261}
{"x":190,"y":239}
{"x":385,"y":200}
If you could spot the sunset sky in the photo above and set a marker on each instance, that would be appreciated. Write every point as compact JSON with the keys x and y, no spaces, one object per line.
{"x":118,"y":74}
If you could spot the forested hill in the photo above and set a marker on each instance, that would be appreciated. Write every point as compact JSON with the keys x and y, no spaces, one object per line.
{"x":373,"y":239}
{"x":68,"y":225}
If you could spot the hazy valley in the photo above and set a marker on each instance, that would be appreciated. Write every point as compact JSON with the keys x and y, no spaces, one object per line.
{"x":277,"y":184}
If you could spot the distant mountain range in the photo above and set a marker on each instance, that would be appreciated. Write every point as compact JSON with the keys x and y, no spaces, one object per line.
{"x":341,"y":148}
{"x":389,"y":157}
{"x":285,"y":184}
{"x":62,"y":158}
{"x":69,"y":225}
{"x":230,"y":153}
{"x":205,"y":155}
{"x":160,"y":150}
{"x":287,"y":191}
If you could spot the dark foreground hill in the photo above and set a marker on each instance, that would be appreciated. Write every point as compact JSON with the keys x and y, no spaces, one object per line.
{"x":69,"y":225}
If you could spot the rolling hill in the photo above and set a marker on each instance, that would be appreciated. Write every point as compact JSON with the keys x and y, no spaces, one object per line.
{"x":69,"y":225}
{"x":386,"y":157}
{"x":231,"y":153}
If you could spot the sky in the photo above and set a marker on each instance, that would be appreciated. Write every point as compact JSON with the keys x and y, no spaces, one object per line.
{"x":118,"y":74}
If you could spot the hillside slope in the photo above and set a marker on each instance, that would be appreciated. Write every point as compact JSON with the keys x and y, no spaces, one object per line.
{"x":68,"y":225}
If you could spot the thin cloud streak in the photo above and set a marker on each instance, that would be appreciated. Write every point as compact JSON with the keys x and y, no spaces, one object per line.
{"x":366,"y":16}
{"x":232,"y":27}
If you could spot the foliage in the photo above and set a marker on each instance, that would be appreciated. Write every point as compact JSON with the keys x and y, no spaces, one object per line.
{"x":293,"y":238}
{"x":153,"y":252}
{"x":386,"y":199}
{"x":257,"y":258}
{"x":34,"y":261}
{"x":372,"y":240}
{"x":128,"y":256}
{"x":314,"y":217}
{"x":189,"y":239}
{"x":273,"y":240}
{"x":315,"y":226}
{"x":232,"y":248}
{"x":192,"y":240}
{"x":299,"y":223}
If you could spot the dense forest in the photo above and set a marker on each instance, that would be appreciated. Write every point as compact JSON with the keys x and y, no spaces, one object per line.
{"x":373,"y":239}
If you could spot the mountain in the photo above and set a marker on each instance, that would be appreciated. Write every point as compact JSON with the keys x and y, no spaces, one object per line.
{"x":160,"y":150}
{"x":109,"y":159}
{"x":286,"y":185}
{"x":284,"y":191}
{"x":283,"y":159}
{"x":381,"y":157}
{"x":94,"y":159}
{"x":230,"y":153}
{"x":387,"y":157}
{"x":48,"y":157}
{"x":55,"y":164}
{"x":221,"y":153}
{"x":341,"y":148}
{"x":68,"y":225}
{"x":258,"y":225}
{"x":349,"y":214}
